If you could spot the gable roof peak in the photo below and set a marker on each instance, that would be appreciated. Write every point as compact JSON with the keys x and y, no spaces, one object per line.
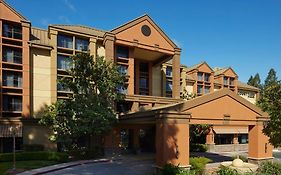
{"x":15,"y":11}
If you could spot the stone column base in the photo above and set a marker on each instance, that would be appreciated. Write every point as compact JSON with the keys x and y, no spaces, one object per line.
{"x":258,"y":161}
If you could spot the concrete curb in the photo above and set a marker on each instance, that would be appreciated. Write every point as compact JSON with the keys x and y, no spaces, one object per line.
{"x":58,"y":167}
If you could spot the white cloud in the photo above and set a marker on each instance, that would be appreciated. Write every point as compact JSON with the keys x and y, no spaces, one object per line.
{"x":64,"y":19}
{"x":69,"y":5}
{"x":44,"y":22}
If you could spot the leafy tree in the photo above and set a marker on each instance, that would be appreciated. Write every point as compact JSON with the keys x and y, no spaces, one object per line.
{"x":271,"y":103}
{"x":89,"y":110}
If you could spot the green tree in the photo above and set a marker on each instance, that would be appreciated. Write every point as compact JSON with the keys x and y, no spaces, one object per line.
{"x":89,"y":110}
{"x":271,"y":103}
{"x":255,"y":81}
{"x":271,"y":79}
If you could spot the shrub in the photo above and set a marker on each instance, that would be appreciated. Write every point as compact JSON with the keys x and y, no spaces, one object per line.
{"x":84,"y":153}
{"x":41,"y":155}
{"x":227,"y":171}
{"x":198,"y":163}
{"x":33,"y":147}
{"x":170,"y":169}
{"x":198,"y":147}
{"x":270,"y":168}
{"x":243,"y":158}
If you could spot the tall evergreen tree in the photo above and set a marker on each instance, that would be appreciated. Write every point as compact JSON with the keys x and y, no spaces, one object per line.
{"x":271,"y":79}
{"x":255,"y":81}
{"x":250,"y":81}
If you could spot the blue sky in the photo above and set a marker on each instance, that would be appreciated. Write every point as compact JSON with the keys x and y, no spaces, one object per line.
{"x":243,"y":34}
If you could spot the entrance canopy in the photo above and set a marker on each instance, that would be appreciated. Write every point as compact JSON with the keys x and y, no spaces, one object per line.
{"x":223,"y":107}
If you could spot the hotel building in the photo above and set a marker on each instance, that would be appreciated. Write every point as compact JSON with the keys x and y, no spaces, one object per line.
{"x":153,"y":115}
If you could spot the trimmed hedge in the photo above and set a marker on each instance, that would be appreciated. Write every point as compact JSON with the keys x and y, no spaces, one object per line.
{"x":40,"y":155}
{"x":84,"y":154}
{"x":194,"y":147}
{"x":33,"y":147}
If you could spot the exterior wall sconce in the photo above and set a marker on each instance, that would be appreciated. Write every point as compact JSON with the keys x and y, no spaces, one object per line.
{"x":177,"y":151}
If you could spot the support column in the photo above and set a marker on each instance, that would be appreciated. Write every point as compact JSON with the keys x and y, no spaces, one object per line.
{"x":235,"y":139}
{"x":176,"y":73}
{"x":112,"y":142}
{"x":136,"y":140}
{"x":53,"y":41}
{"x":93,"y":47}
{"x":172,"y":142}
{"x":109,"y":46}
{"x":26,"y":69}
{"x":259,"y":147}
{"x":210,"y":137}
{"x":131,"y":72}
{"x":163,"y":70}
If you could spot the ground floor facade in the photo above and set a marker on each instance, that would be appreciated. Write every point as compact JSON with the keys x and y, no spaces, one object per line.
{"x":234,"y":124}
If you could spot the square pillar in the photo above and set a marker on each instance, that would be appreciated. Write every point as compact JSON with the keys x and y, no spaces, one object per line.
{"x":172,"y":142}
{"x":131,"y":71}
{"x":109,"y":46}
{"x":93,"y":47}
{"x":176,"y":74}
{"x":210,"y":137}
{"x":259,"y":148}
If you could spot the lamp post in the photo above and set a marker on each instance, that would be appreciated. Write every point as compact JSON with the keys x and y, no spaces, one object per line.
{"x":13,"y":130}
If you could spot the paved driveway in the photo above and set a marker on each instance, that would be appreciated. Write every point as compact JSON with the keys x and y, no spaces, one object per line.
{"x":124,"y":166}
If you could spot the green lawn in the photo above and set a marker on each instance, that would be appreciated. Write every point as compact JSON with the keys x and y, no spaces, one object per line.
{"x":26,"y":165}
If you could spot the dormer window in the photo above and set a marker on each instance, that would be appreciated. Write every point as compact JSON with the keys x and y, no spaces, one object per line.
{"x":225,"y":80}
{"x":231,"y":81}
{"x":207,"y":77}
{"x":200,"y":76}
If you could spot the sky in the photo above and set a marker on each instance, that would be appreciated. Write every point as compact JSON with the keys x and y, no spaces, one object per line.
{"x":243,"y":34}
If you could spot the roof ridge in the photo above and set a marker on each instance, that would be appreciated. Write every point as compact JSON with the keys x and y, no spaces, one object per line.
{"x":78,"y":25}
{"x":39,"y":28}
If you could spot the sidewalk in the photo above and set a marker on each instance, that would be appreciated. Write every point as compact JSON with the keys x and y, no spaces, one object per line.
{"x":57,"y":167}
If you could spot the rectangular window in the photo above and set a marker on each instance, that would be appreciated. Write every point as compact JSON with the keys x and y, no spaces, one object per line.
{"x":251,"y":95}
{"x":199,"y":89}
{"x":207,"y":77}
{"x":169,"y":71}
{"x":169,"y":86}
{"x":231,"y":81}
{"x":123,"y":69}
{"x":12,"y":31}
{"x":144,"y":79}
{"x":12,"y":103}
{"x":61,"y":86}
{"x":225,"y":80}
{"x":12,"y":79}
{"x":206,"y":90}
{"x":12,"y":55}
{"x":64,"y":62}
{"x":200,"y":76}
{"x":122,"y":52}
{"x":81,"y":44}
{"x":65,"y":41}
